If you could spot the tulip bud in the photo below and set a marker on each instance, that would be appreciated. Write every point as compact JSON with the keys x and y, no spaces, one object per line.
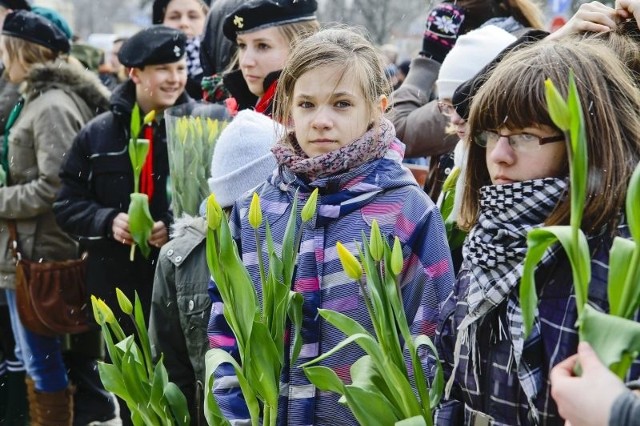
{"x":149,"y":117}
{"x":376,"y":246}
{"x":96,"y":312}
{"x":397,"y":261}
{"x":255,"y":212}
{"x":309,"y":208}
{"x":106,"y":312}
{"x":450,"y":181}
{"x":214,"y":213}
{"x":558,"y":108}
{"x":350,"y":264}
{"x":124,"y":302}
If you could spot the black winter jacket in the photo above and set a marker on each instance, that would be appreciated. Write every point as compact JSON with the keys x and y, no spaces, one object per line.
{"x":97,"y":181}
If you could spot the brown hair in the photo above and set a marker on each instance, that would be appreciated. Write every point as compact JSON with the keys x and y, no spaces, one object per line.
{"x":341,"y":48}
{"x":624,"y":41}
{"x":526,"y":12}
{"x":26,"y":52}
{"x":514,"y":97}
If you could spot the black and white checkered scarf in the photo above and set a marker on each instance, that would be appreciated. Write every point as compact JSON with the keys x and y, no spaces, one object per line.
{"x":494,"y":253}
{"x":497,"y":245}
{"x":192,"y":50}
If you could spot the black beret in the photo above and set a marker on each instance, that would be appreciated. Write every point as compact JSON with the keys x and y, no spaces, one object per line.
{"x":154,"y":45}
{"x":15,"y":4}
{"x":36,"y":29}
{"x":259,"y":14}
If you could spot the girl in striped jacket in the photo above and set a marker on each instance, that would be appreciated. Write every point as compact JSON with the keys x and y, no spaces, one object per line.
{"x":331,"y":95}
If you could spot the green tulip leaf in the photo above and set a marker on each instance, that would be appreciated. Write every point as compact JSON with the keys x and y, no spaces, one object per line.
{"x":369,"y":408}
{"x":633,"y":204}
{"x":294,"y":311}
{"x":612,"y":338}
{"x":178,"y":404}
{"x":324,"y":379}
{"x":619,"y":266}
{"x":261,"y":364}
{"x":212,"y":360}
{"x":538,"y":241}
{"x":412,"y":421}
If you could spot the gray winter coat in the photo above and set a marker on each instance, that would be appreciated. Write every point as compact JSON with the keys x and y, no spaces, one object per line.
{"x":59,"y":99}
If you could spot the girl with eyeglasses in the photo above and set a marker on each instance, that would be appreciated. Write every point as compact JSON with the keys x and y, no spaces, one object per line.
{"x":517,"y":180}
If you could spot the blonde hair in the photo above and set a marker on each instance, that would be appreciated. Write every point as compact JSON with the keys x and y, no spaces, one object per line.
{"x":514,"y":97}
{"x":341,"y":48}
{"x":26,"y":52}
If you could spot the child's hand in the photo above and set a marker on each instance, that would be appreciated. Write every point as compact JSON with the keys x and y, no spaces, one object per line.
{"x":443,"y":27}
{"x":628,"y":9}
{"x":594,"y":17}
{"x":159,"y":234}
{"x":585,"y":400}
{"x":120,"y":229}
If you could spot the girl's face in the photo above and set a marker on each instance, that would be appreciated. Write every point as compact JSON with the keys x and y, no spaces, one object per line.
{"x":329,"y":110}
{"x":522,"y":158}
{"x":15,"y":71}
{"x":186,"y":16}
{"x":260,"y":53}
{"x":458,"y":123}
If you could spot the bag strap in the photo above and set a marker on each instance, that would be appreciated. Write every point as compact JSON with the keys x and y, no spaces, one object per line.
{"x":13,"y":239}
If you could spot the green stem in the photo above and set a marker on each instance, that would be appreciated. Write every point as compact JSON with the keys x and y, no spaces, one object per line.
{"x":263,"y":278}
{"x":629,"y":282}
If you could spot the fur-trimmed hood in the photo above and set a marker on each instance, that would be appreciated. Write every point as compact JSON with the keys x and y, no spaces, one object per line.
{"x":69,"y":77}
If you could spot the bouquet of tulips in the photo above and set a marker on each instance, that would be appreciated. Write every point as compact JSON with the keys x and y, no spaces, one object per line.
{"x":192,"y":132}
{"x":615,"y":336}
{"x":140,"y":221}
{"x":259,"y":328}
{"x":380,"y":391}
{"x":150,"y":396}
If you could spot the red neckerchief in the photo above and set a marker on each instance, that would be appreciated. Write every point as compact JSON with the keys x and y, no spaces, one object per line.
{"x":146,"y":176}
{"x":264,"y":103}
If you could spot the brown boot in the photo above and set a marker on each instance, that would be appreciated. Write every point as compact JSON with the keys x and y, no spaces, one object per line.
{"x":31,"y":398}
{"x":54,"y":408}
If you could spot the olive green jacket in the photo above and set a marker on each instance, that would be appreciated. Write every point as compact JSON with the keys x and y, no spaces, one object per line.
{"x":180,"y":308}
{"x":59,"y":99}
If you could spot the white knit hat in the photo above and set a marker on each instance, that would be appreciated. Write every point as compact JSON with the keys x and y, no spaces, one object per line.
{"x":469,"y":55}
{"x":242,"y":158}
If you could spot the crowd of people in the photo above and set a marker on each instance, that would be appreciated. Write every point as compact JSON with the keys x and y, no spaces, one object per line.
{"x":318,"y":107}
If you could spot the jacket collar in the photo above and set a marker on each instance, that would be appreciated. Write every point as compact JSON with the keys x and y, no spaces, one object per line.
{"x":59,"y":74}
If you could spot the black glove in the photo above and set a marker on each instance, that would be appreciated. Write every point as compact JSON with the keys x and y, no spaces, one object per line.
{"x":444,"y":23}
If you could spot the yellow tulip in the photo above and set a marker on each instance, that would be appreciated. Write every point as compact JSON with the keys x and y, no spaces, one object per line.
{"x":151,"y":116}
{"x":96,"y":312}
{"x":124,"y":302}
{"x":397,"y":261}
{"x":350,"y":264}
{"x":558,"y":107}
{"x":214,"y":213}
{"x":375,"y":242}
{"x":450,"y":181}
{"x":309,"y":208}
{"x":255,"y":212}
